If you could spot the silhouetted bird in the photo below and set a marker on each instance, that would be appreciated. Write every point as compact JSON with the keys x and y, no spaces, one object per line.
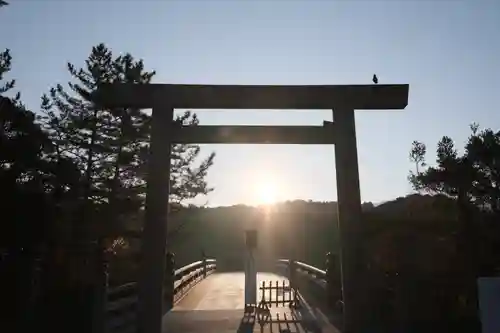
{"x":3,"y":3}
{"x":375,"y":79}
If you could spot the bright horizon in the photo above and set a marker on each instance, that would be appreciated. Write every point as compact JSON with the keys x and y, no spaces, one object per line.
{"x":447,"y":51}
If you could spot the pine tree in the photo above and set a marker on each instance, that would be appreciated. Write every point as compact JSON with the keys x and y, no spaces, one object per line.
{"x":79,"y":132}
{"x":186,"y":181}
{"x":110,"y":145}
{"x":5,"y":67}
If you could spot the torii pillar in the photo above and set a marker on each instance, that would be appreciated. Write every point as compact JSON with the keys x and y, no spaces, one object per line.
{"x":349,"y":218}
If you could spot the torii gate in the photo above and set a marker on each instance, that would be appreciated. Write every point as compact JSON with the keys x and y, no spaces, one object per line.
{"x":164,"y":98}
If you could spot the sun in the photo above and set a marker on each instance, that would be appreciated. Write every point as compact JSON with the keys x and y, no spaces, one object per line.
{"x":267,"y":193}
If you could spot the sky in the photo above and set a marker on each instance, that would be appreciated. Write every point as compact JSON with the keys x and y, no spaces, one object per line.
{"x":448,"y":51}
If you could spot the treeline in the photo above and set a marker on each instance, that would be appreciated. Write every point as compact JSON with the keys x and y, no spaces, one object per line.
{"x":72,"y":177}
{"x":304,"y":229}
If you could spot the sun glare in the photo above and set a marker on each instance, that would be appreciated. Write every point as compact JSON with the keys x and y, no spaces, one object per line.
{"x":266,"y":193}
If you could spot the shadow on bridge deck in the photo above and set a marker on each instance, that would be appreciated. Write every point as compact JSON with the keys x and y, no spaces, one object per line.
{"x":217,"y":305}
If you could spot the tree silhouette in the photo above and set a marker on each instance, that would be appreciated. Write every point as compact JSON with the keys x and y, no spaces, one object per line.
{"x":473,"y":176}
{"x":5,"y":67}
{"x":417,"y":155}
{"x":82,"y":174}
{"x":470,"y":178}
{"x":110,"y":149}
{"x":34,"y":189}
{"x":106,"y":144}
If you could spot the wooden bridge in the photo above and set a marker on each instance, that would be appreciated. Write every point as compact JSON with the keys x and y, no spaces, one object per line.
{"x":290,"y":299}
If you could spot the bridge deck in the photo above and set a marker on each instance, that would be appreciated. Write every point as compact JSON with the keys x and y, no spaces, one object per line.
{"x":217,"y":305}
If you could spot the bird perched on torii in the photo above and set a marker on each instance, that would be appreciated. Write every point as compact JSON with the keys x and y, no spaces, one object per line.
{"x":375,"y":79}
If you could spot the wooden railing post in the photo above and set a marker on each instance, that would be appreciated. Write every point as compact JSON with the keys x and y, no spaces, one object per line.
{"x":169,"y":280}
{"x":292,"y":273}
{"x":204,"y":259}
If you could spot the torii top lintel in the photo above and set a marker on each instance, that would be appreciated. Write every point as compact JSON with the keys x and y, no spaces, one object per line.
{"x":357,"y":97}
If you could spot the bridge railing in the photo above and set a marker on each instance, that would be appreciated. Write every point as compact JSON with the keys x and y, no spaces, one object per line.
{"x":314,"y":274}
{"x":327,"y":280}
{"x":121,"y":302}
{"x":184,"y":277}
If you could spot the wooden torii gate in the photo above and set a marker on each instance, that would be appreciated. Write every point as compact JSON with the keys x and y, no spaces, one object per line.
{"x":164,"y":98}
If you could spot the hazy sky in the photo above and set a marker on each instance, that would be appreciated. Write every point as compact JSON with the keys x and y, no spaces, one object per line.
{"x":447,"y":50}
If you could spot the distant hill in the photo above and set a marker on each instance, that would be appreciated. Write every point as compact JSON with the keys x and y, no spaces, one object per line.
{"x":304,"y":229}
{"x":419,"y":206}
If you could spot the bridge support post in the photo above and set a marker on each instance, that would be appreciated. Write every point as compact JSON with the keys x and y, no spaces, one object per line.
{"x":154,"y":239}
{"x":168,"y":287}
{"x":349,"y":217}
